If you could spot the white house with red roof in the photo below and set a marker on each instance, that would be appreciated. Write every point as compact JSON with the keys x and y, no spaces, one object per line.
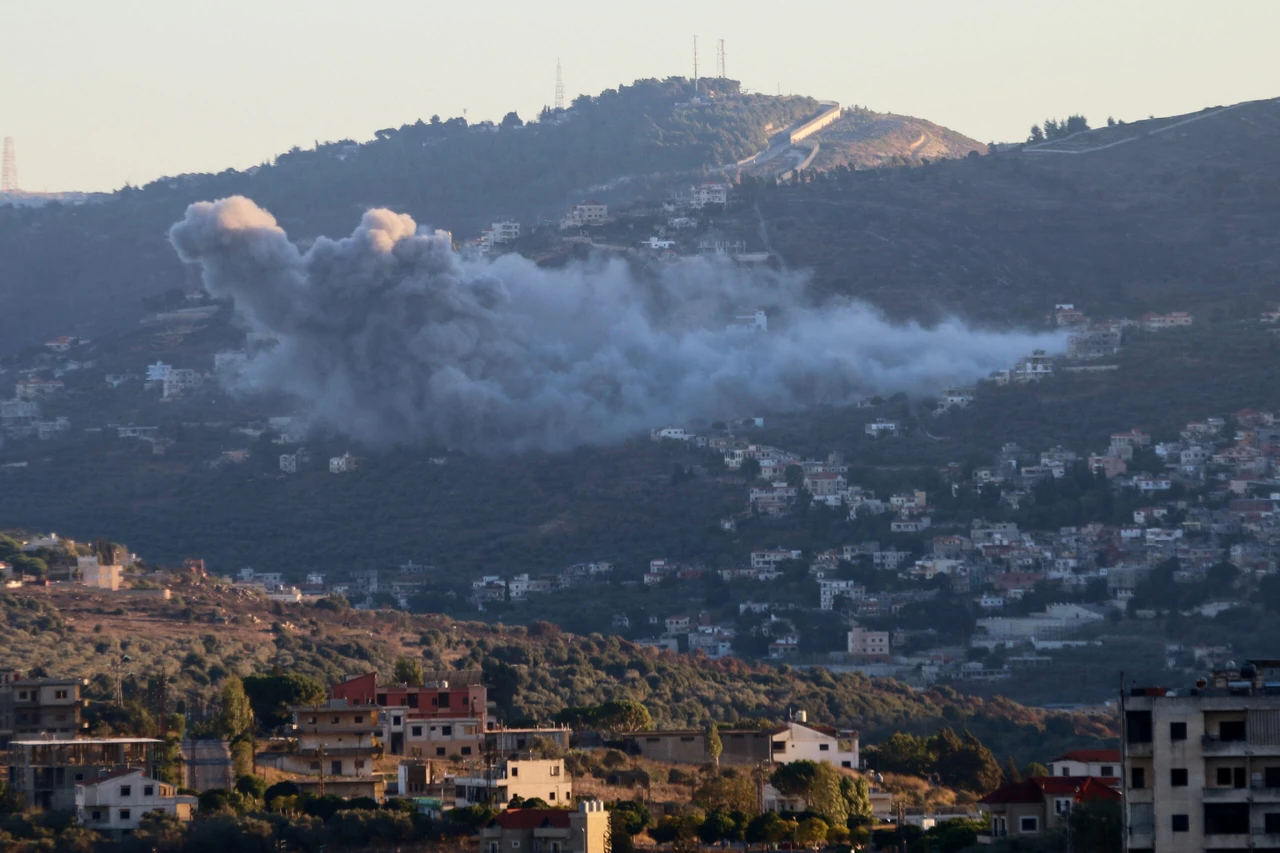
{"x":1103,"y":763}
{"x":117,"y":801}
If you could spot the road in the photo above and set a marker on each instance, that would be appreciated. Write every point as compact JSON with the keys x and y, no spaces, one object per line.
{"x":206,"y":764}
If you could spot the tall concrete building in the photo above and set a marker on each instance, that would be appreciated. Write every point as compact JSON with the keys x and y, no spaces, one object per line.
{"x":1202,"y":764}
{"x":35,"y":707}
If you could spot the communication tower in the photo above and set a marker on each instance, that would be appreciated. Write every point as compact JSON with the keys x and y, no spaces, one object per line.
{"x":559,"y":86}
{"x":695,"y":66}
{"x":720,"y":72}
{"x":9,"y":178}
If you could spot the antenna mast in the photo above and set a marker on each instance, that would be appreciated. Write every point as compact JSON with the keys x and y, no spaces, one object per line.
{"x":559,"y":86}
{"x":695,"y":66}
{"x":9,"y":178}
{"x":720,"y":72}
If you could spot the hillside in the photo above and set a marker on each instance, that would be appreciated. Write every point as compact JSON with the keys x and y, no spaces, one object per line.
{"x":207,"y":633}
{"x":863,"y":139}
{"x":1171,"y":214}
{"x":85,"y":269}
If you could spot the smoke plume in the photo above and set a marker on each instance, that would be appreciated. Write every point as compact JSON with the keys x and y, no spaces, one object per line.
{"x":389,"y":336}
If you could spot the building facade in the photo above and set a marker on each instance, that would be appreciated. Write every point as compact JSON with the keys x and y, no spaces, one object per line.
{"x":1202,"y":764}
{"x":46,"y":772}
{"x":548,"y":830}
{"x":117,"y":801}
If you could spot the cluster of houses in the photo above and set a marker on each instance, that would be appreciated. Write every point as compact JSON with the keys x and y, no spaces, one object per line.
{"x":517,"y":587}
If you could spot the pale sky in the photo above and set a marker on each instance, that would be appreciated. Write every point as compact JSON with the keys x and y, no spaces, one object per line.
{"x":99,"y":93}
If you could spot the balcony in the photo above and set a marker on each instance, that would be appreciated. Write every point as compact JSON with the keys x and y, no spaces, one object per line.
{"x":1140,"y":750}
{"x":1216,"y":746}
{"x":1227,"y":795}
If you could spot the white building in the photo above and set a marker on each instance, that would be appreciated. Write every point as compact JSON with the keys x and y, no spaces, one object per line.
{"x":544,"y":778}
{"x":801,"y":741}
{"x":117,"y":801}
{"x":343,"y":464}
{"x":881,"y":427}
{"x":98,"y":576}
{"x":700,"y":196}
{"x":176,"y":382}
{"x":829,"y":591}
{"x":587,"y":213}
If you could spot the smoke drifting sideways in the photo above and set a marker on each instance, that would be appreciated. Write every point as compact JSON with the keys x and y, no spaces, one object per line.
{"x":390,"y":337}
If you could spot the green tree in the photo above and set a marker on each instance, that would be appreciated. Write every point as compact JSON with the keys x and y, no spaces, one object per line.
{"x":409,"y":671}
{"x":715,"y":746}
{"x":622,"y":716}
{"x":812,"y":831}
{"x":271,"y":695}
{"x":857,"y":798}
{"x":1034,"y":769}
{"x":750,"y":469}
{"x":1011,"y":774}
{"x":235,"y":719}
{"x":827,"y":797}
{"x":252,"y":786}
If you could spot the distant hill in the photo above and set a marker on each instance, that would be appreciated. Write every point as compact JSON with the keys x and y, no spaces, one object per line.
{"x":1161,"y":215}
{"x":864,"y":139}
{"x":82,"y":269}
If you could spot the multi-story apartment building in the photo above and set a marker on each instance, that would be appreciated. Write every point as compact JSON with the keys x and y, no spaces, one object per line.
{"x":508,"y":778}
{"x":39,"y":706}
{"x":440,"y":719}
{"x":1202,"y":764}
{"x":47,"y":772}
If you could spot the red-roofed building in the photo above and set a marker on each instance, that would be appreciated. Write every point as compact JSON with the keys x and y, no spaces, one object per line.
{"x":1036,"y":806}
{"x":1103,"y":763}
{"x":438,"y":719}
{"x":548,"y":830}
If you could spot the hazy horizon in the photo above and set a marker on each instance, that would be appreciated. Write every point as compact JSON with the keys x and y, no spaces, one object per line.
{"x":134,"y":91}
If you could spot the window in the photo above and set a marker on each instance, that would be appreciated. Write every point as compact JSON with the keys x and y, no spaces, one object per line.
{"x":1224,"y":776}
{"x":335,"y":767}
{"x":96,"y":815}
{"x":1108,"y":771}
{"x":824,"y":747}
{"x":1137,"y":726}
{"x":555,"y":847}
{"x":1178,"y":777}
{"x":1028,"y":825}
{"x":555,"y":771}
{"x":1066,"y":771}
{"x":395,"y":720}
{"x":59,"y":694}
{"x":440,"y":751}
{"x":80,"y":777}
{"x":444,"y":700}
{"x":779,"y":746}
{"x":1226,"y":819}
{"x":416,"y":731}
{"x":515,"y":771}
{"x":1177,"y":731}
{"x":311,"y":721}
{"x":1271,"y":823}
{"x":1231,"y":730}
{"x":22,"y":694}
{"x":446,"y":731}
{"x":335,"y":720}
{"x":126,"y":790}
{"x":551,"y":798}
{"x":493,"y":847}
{"x":1062,"y":805}
{"x":1271,"y":777}
{"x":848,"y":764}
{"x":359,"y":719}
{"x":1138,"y":778}
{"x":126,"y":814}
{"x":1181,"y":823}
{"x":359,"y":763}
{"x":149,"y":791}
{"x":466,"y":750}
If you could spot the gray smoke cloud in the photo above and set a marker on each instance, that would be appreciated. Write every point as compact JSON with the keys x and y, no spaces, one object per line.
{"x":389,"y":336}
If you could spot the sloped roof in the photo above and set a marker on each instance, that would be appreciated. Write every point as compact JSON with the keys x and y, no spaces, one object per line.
{"x":532,"y":818}
{"x":1035,"y":789}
